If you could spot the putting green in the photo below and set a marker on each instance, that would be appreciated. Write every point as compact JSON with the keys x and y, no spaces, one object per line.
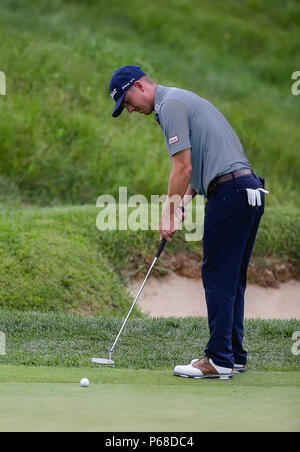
{"x":51,"y":399}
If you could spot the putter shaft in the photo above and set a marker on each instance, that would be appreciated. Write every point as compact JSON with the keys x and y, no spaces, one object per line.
{"x":102,"y":361}
{"x":158,"y":253}
{"x":133,"y":304}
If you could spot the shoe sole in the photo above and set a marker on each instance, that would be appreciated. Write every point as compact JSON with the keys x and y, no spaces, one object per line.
{"x":216,"y":377}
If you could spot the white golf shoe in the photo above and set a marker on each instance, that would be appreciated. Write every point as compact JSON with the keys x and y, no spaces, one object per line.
{"x":203,"y":368}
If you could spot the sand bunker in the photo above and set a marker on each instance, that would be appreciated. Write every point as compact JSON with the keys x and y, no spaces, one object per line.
{"x":178,"y":296}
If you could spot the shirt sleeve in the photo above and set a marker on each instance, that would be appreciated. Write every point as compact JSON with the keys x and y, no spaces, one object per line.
{"x":174,"y":121}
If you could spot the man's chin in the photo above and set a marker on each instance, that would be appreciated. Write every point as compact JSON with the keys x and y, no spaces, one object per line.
{"x":146,"y":112}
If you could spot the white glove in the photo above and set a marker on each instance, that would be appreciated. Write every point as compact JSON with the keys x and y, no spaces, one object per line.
{"x":254,"y":196}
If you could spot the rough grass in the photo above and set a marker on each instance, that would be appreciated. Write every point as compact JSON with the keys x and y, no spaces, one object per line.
{"x":48,"y":339}
{"x":55,"y":259}
{"x":48,"y":263}
{"x":59,"y":143}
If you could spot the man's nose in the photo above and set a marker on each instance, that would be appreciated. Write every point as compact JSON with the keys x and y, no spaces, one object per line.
{"x":130,"y":109}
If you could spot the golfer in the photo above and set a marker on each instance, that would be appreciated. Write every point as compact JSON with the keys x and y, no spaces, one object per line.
{"x":208,"y":159}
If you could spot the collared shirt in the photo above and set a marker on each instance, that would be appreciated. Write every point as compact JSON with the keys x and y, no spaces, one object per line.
{"x":189,"y":121}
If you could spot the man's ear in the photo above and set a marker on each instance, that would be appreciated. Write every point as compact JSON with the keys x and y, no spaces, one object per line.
{"x":139,"y":85}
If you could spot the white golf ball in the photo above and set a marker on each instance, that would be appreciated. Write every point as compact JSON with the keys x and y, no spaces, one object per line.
{"x":84,"y":382}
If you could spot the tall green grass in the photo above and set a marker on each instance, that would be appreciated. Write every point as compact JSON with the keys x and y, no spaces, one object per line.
{"x":59,"y":143}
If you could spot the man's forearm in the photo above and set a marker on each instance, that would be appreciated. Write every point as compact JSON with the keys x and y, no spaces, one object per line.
{"x":178,"y":188}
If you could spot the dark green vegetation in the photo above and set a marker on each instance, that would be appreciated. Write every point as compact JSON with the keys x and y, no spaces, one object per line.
{"x":55,"y":259}
{"x":59,"y":143}
{"x":122,"y":400}
{"x":66,"y":340}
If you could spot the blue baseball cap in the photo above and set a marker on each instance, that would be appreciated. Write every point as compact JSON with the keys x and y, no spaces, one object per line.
{"x":121,"y":80}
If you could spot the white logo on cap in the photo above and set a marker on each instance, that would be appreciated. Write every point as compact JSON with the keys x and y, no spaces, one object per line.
{"x":113,"y":92}
{"x":127,"y":84}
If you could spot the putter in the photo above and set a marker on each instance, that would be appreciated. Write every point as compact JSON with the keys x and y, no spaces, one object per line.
{"x":110,"y":361}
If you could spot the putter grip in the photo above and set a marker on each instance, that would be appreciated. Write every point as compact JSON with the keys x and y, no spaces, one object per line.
{"x":161,"y":247}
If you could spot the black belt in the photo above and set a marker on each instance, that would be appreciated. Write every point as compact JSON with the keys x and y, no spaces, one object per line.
{"x":220,"y":180}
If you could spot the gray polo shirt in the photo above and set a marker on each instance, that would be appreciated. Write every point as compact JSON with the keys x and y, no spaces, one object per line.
{"x":189,"y":121}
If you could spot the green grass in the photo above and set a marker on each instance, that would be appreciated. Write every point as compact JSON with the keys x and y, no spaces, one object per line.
{"x":118,"y":400}
{"x":59,"y":143}
{"x":47,"y":354}
{"x":55,"y":259}
{"x":64,"y":340}
{"x":49,"y":264}
{"x":60,"y":146}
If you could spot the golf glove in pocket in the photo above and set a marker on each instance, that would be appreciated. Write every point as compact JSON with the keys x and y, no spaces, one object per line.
{"x":254,"y":197}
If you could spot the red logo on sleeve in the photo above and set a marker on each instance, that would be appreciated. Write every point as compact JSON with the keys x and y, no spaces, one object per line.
{"x":173,"y":139}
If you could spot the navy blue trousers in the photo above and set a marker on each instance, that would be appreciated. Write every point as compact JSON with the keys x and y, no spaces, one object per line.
{"x":230,"y":227}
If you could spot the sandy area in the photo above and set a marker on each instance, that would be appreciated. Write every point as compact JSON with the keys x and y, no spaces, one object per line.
{"x":178,"y":296}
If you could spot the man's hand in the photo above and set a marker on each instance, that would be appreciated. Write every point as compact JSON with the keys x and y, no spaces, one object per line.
{"x":181,"y":213}
{"x":169,"y":225}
